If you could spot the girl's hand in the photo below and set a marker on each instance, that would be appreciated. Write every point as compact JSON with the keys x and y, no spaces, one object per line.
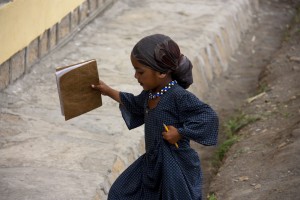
{"x":108,"y":91}
{"x":102,"y":87}
{"x":172,"y":136}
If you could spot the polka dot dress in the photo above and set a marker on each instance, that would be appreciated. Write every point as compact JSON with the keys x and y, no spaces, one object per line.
{"x":164,"y":171}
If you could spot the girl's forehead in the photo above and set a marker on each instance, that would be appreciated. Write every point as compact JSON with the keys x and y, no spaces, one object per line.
{"x":141,"y":67}
{"x":136,"y":64}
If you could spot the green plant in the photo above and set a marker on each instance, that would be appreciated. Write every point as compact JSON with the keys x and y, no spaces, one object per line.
{"x":212,"y":196}
{"x":297,"y":16}
{"x":224,"y":147}
{"x":231,"y":129}
{"x":262,"y":87}
{"x":294,"y":22}
{"x":237,"y":122}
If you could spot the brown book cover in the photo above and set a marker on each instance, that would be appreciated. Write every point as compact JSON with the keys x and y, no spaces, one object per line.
{"x":74,"y":88}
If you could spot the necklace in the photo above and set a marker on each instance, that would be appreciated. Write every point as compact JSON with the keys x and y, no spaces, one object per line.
{"x":163,"y":90}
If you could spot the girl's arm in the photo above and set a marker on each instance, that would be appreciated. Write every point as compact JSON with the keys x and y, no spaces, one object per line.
{"x":200,"y":121}
{"x":108,"y":91}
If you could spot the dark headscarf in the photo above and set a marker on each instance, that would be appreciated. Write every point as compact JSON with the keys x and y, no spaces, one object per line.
{"x":162,"y":54}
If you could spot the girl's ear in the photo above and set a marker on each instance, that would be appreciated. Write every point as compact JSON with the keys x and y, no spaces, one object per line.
{"x":162,"y":75}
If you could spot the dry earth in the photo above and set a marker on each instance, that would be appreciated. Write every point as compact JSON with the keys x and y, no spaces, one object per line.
{"x":263,"y":82}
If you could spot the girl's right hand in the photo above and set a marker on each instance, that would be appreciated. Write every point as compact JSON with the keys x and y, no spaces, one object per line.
{"x":107,"y":91}
{"x":102,"y":87}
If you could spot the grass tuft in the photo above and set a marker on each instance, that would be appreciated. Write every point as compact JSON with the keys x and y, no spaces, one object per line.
{"x":231,"y":128}
{"x":212,"y":196}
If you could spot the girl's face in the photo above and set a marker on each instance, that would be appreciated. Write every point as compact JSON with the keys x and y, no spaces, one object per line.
{"x":148,"y":78}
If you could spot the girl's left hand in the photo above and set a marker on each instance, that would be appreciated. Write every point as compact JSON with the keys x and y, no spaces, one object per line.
{"x":172,"y":136}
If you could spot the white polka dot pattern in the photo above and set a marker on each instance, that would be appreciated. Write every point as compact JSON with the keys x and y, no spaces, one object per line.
{"x":165,"y":172}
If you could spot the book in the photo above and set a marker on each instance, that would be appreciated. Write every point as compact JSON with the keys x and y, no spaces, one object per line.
{"x":75,"y":93}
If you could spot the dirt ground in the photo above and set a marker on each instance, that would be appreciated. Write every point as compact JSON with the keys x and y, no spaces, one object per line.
{"x":263,"y":82}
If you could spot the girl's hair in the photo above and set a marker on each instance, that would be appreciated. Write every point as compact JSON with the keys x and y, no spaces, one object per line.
{"x":162,"y":54}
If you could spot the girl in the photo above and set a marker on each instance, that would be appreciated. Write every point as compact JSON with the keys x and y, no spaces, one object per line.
{"x":170,"y":168}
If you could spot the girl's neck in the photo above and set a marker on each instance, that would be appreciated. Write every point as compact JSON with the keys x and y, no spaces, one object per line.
{"x":155,"y":96}
{"x":163,"y":84}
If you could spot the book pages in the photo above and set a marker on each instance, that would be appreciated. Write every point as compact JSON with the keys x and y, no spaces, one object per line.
{"x":74,"y":88}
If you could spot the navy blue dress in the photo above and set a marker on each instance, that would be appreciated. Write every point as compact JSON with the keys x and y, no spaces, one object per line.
{"x":165,"y":172}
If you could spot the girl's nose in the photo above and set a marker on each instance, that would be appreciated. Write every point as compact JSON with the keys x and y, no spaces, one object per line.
{"x":136,"y":75}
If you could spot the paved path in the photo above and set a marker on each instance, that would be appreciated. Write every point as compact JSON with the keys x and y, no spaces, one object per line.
{"x":44,"y":157}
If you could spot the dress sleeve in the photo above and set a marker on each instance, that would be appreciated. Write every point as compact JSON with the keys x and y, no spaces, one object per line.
{"x":200,"y":122}
{"x":132,"y":109}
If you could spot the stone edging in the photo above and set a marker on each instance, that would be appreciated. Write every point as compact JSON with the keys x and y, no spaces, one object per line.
{"x":212,"y":60}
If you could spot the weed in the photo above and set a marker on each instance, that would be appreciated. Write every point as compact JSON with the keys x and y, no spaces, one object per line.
{"x":263,"y":87}
{"x":212,"y":196}
{"x":295,"y":22}
{"x":232,"y":127}
{"x":237,"y":122}
{"x":297,"y":16}
{"x":222,"y":150}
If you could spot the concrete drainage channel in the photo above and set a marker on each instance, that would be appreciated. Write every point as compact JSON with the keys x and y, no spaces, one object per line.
{"x":214,"y":47}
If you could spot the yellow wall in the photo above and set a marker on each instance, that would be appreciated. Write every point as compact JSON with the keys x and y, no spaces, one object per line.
{"x":21,"y":21}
